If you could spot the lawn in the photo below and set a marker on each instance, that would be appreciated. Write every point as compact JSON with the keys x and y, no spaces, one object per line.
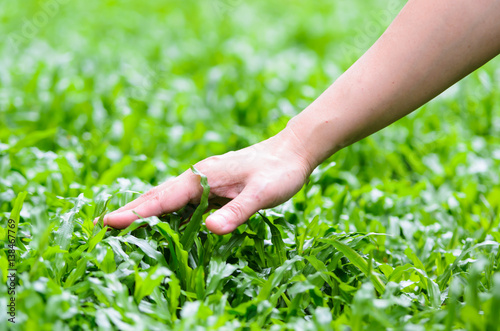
{"x":101,"y":100}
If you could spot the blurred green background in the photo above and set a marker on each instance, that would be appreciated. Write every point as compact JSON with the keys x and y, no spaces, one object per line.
{"x":148,"y":89}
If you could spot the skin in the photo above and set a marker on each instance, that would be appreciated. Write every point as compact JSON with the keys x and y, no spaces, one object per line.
{"x":428,"y":47}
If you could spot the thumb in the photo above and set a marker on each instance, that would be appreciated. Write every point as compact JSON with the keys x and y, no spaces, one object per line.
{"x":234,"y":213}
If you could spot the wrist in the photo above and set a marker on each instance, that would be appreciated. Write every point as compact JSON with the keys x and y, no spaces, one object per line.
{"x":316,"y":140}
{"x":288,"y":147}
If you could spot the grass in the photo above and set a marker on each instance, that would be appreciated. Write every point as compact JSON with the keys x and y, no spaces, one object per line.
{"x":104,"y":99}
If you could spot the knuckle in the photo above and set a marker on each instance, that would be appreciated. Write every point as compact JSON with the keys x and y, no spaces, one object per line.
{"x":236,"y":209}
{"x":156,"y":199}
{"x":149,"y":194}
{"x":232,"y":166}
{"x":230,"y":153}
{"x":193,"y":195}
{"x":208,"y":163}
{"x":256,"y":196}
{"x":159,"y":200}
{"x":265,"y":192}
{"x":263,"y":186}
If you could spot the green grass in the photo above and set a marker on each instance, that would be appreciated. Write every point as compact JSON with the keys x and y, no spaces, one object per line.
{"x":104,"y":99}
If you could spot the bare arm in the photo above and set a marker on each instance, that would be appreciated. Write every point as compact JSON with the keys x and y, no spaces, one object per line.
{"x":429,"y":46}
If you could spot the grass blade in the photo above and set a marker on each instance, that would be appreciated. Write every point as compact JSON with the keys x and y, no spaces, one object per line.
{"x":193,"y":227}
{"x":277,"y":241}
{"x":359,"y":262}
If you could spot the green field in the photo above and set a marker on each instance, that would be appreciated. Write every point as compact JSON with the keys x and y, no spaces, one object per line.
{"x":101,"y":100}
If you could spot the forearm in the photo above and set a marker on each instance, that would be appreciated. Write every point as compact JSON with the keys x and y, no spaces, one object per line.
{"x":429,"y":46}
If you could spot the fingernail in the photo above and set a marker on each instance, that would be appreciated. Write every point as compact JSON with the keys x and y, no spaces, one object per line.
{"x":217,"y":222}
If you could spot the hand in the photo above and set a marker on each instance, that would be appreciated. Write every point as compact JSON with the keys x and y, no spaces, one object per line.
{"x":242,"y":182}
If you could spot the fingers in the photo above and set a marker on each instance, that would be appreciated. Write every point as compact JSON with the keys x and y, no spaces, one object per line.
{"x":175,"y":194}
{"x":235,"y":212}
{"x":144,"y":197}
{"x":162,"y":200}
{"x":134,"y":203}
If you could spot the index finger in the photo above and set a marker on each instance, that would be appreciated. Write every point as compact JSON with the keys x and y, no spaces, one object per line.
{"x":161,"y":200}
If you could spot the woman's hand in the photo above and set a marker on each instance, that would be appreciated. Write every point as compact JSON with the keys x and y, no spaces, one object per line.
{"x":242,"y":182}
